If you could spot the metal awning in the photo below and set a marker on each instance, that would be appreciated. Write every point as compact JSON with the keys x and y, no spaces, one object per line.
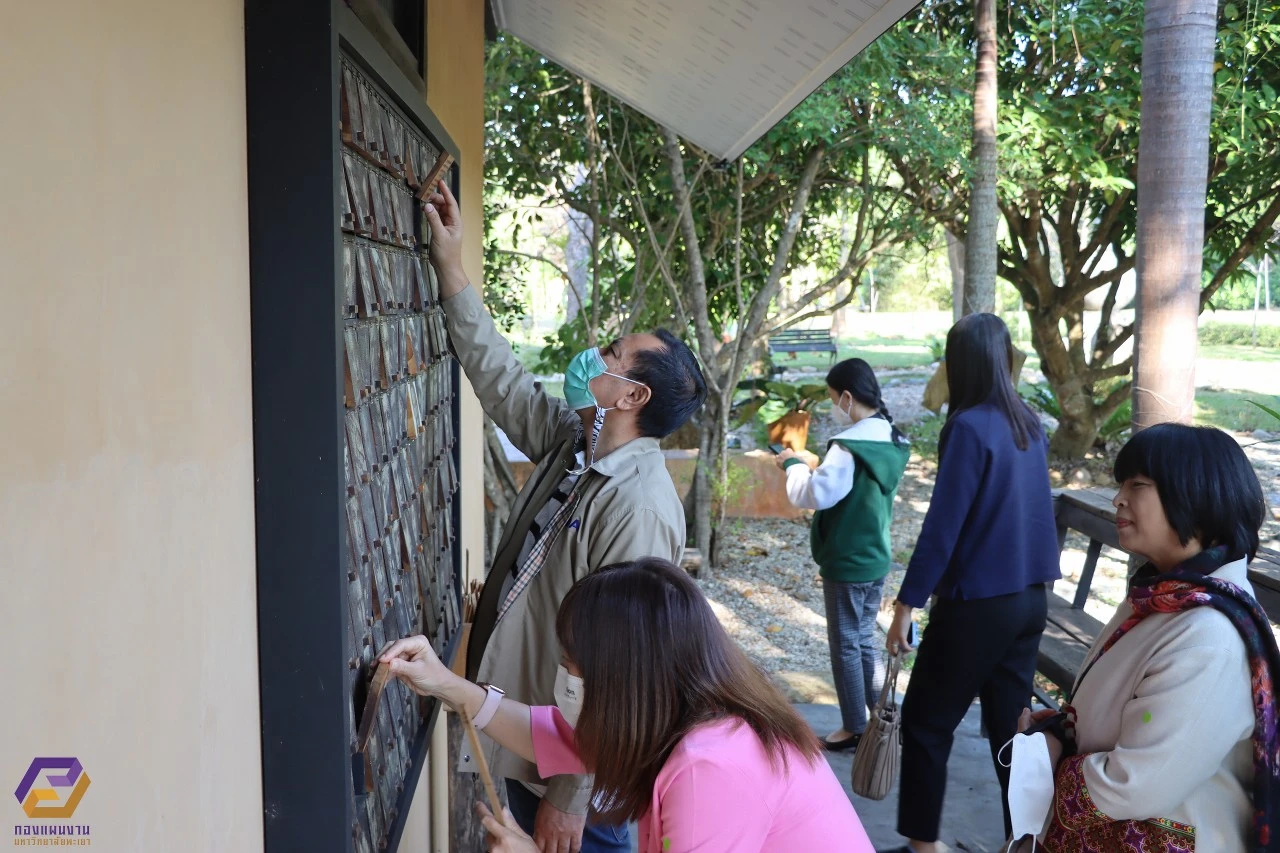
{"x":718,"y":72}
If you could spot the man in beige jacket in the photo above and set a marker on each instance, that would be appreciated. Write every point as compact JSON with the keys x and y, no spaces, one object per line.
{"x":600,"y":494}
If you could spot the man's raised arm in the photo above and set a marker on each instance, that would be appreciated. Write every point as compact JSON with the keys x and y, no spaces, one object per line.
{"x":534,"y":420}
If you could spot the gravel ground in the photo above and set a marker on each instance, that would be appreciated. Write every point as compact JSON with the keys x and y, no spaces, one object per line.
{"x":769,"y":596}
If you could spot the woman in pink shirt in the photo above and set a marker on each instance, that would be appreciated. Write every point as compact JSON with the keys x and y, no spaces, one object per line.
{"x":684,"y":735}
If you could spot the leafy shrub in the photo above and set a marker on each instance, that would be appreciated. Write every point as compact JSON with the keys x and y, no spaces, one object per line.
{"x":1268,"y":410}
{"x":776,"y":398}
{"x":1042,"y":399}
{"x":1239,"y":334}
{"x":1120,"y":422}
{"x":937,"y":346}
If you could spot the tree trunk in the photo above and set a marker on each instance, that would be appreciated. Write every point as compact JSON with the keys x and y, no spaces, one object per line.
{"x":980,"y":243}
{"x":593,"y":171}
{"x":577,"y":256}
{"x":720,"y":505}
{"x":706,"y":504}
{"x":1257,"y":295}
{"x":1077,"y":427}
{"x":704,"y":478}
{"x":955,"y":259}
{"x":1173,"y":169}
{"x":1078,"y":417}
{"x":499,"y":487}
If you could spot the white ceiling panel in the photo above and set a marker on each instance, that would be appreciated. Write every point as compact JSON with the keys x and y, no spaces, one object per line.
{"x":718,"y":72}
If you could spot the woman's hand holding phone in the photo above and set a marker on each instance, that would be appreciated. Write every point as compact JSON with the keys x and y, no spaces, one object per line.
{"x":781,"y":457}
{"x":1046,"y":721}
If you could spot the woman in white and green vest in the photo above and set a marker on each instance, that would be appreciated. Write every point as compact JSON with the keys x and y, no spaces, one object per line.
{"x":852,"y":491}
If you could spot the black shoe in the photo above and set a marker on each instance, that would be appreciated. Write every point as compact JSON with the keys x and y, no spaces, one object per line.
{"x":906,"y":848}
{"x":851,"y":742}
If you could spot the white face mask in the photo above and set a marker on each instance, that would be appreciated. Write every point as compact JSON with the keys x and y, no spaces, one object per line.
{"x":1030,"y":784}
{"x":841,"y":415}
{"x":568,"y":693}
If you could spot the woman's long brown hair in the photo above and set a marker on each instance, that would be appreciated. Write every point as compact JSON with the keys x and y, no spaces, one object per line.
{"x":655,"y":663}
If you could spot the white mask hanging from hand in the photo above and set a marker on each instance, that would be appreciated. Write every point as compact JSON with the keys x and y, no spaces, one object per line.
{"x":568,"y":693}
{"x":1030,"y":784}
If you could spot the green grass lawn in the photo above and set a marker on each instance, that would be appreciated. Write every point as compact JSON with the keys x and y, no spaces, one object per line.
{"x":1264,"y":355}
{"x":880,"y":353}
{"x":1233,"y":410}
{"x":898,"y":352}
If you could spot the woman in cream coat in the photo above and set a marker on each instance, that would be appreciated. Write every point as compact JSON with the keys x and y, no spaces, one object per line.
{"x":1174,"y":717}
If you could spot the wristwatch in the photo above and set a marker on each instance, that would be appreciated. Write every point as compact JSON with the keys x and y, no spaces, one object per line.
{"x":492,"y":700}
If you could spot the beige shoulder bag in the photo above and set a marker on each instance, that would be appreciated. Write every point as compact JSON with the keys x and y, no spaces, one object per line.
{"x":875,"y":765}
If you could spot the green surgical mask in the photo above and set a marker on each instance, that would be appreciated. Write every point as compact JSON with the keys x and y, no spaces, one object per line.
{"x":583,"y":368}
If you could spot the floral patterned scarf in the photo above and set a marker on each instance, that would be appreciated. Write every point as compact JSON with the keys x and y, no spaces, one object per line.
{"x":1188,"y":586}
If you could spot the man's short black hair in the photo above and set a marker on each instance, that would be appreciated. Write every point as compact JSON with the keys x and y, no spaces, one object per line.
{"x":1206,"y":484}
{"x":676,"y":386}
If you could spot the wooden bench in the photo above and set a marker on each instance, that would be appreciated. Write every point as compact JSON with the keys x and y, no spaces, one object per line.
{"x":1070,"y":632}
{"x":804,"y":340}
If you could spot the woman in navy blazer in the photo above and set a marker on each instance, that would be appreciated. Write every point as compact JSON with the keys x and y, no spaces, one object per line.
{"x":987,"y":548}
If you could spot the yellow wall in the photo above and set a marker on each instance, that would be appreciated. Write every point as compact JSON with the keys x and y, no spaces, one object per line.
{"x":455,"y":93}
{"x":126,"y":471}
{"x":126,"y":482}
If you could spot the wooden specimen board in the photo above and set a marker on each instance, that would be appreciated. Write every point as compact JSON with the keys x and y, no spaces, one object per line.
{"x":401,"y":473}
{"x":355,"y":423}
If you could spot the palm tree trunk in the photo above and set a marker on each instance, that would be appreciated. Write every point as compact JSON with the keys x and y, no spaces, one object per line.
{"x":955,"y":260}
{"x":1173,"y":168}
{"x":980,"y":242}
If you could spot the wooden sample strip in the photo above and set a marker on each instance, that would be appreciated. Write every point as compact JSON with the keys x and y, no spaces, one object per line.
{"x":482,"y":765}
{"x":443,"y":162}
{"x":370,"y":715}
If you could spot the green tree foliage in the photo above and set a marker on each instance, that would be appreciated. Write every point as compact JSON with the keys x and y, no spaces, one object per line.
{"x":694,"y":244}
{"x":874,"y":161}
{"x":503,"y":274}
{"x":1069,"y":106}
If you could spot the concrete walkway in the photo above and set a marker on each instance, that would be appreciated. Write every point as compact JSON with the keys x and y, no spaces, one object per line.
{"x":971,"y":817}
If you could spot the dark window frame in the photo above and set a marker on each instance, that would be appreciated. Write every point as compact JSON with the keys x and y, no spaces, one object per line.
{"x":410,"y":20}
